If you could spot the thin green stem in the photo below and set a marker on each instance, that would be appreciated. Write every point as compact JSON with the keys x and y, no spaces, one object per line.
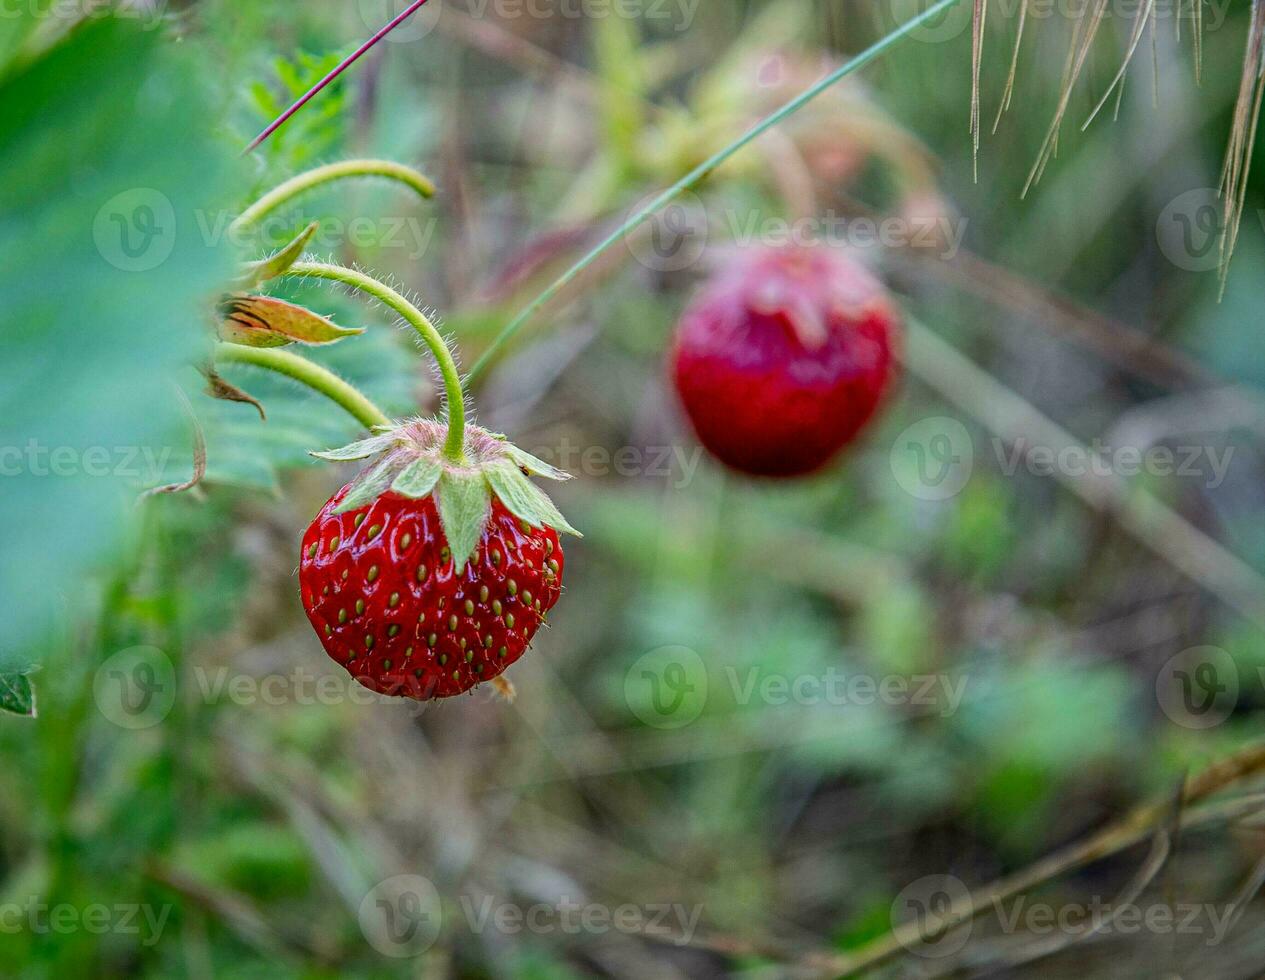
{"x":305,"y":182}
{"x":699,"y":173}
{"x":319,"y":379}
{"x":454,"y":447}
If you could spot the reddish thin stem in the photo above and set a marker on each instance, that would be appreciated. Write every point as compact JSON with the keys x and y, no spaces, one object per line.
{"x":346,"y":63}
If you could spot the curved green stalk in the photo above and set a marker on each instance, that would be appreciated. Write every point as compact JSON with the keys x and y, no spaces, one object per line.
{"x":305,"y":182}
{"x":319,"y":379}
{"x":454,"y":447}
{"x":695,"y":176}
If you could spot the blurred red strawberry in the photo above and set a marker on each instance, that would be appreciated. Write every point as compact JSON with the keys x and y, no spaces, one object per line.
{"x":784,"y":356}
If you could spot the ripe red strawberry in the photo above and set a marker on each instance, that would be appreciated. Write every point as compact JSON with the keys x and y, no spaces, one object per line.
{"x":783,"y":357}
{"x":425,"y":578}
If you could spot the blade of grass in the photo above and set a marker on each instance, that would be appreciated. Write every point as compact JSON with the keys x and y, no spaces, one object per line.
{"x":342,"y":66}
{"x":701,"y":172}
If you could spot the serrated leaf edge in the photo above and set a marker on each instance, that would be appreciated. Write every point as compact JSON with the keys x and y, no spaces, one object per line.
{"x":524,"y":499}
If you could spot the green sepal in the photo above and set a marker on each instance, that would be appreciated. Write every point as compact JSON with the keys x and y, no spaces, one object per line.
{"x":464,"y":504}
{"x":265,"y":321}
{"x":531,"y":464}
{"x":278,"y":264}
{"x":418,"y":478}
{"x":17,"y":696}
{"x":360,"y":450}
{"x":372,"y":485}
{"x":524,"y":499}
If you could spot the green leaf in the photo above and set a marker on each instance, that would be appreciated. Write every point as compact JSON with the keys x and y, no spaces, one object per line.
{"x":360,"y":450}
{"x":524,"y":499}
{"x":371,"y":485}
{"x":17,"y":697}
{"x":107,"y":159}
{"x":537,"y":467}
{"x":464,"y":504}
{"x":279,"y":264}
{"x":265,"y":321}
{"x":418,"y":478}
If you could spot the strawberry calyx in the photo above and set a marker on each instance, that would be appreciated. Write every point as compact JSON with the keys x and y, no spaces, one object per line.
{"x":412,"y":463}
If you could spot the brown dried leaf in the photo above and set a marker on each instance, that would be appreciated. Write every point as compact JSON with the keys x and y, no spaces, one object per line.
{"x":217,"y":387}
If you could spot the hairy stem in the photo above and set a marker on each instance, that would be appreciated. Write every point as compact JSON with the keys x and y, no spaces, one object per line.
{"x":699,"y":173}
{"x":454,"y":447}
{"x":319,"y":379}
{"x":305,"y":182}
